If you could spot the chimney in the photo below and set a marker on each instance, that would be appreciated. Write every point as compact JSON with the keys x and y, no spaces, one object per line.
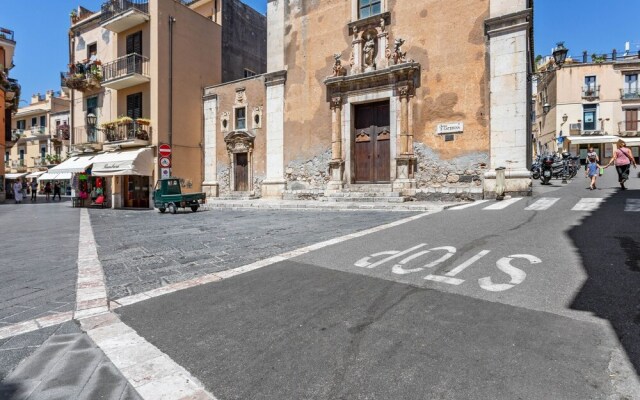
{"x":35,"y":98}
{"x":49,"y":94}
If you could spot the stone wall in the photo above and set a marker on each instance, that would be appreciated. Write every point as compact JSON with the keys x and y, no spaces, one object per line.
{"x":310,"y":173}
{"x":439,"y":179}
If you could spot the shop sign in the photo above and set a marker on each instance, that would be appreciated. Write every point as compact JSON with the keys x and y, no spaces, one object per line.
{"x":452,"y":127}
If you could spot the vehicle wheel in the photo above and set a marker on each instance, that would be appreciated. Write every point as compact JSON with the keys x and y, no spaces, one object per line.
{"x":162,"y":210}
{"x":536,"y":175}
{"x":194,"y":208}
{"x":172,"y":208}
{"x":545,"y":181}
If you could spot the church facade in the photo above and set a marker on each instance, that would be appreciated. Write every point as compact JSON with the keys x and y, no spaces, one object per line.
{"x":423,"y":99}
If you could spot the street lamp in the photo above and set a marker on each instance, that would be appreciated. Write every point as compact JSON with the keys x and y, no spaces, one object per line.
{"x":91,"y":120}
{"x":545,"y":108}
{"x":559,"y":57}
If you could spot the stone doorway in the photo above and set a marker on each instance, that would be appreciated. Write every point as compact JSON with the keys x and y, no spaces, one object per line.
{"x":372,"y":143}
{"x":241,"y":172}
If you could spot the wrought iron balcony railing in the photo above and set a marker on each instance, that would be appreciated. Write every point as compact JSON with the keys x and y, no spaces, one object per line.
{"x":125,"y":66}
{"x":112,"y":8}
{"x":127,"y":131}
{"x":87,"y":135}
{"x":630,"y":93}
{"x":590,"y":91}
{"x":6,"y":34}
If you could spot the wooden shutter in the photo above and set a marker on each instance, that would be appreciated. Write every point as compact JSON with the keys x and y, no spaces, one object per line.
{"x":134,"y":105}
{"x":134,"y":43}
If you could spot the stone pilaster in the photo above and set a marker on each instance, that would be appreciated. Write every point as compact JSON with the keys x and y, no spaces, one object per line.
{"x":274,"y":183}
{"x":509,"y":33}
{"x":210,"y":185}
{"x":405,"y":161}
{"x":336,"y":165}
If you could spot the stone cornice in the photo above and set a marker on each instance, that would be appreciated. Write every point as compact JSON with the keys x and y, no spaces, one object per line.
{"x":406,"y":76}
{"x":509,"y":23}
{"x":275,"y":78}
{"x":374,"y":20}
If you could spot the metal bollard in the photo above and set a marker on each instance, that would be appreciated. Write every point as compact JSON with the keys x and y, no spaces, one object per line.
{"x":500,"y":183}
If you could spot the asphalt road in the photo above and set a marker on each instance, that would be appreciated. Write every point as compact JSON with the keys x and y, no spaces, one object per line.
{"x":535,"y":298}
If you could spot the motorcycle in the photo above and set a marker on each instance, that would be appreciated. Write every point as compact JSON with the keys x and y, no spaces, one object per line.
{"x":535,"y":168}
{"x":546,"y":169}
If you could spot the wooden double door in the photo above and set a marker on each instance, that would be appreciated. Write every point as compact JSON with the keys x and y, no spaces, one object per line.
{"x":372,"y":143}
{"x":136,"y":191}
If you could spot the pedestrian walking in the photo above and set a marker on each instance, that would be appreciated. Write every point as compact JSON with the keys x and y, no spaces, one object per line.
{"x":56,"y":191}
{"x":622,"y":158}
{"x":592,"y":168}
{"x":47,"y":190}
{"x":34,"y":189}
{"x":17,"y":191}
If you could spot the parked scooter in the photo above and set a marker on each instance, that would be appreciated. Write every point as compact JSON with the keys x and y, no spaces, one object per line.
{"x":535,"y":168}
{"x":546,"y":168}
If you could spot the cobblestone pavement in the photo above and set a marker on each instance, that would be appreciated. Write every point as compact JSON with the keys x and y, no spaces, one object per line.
{"x":38,"y":268}
{"x":68,"y":365}
{"x":143,"y":250}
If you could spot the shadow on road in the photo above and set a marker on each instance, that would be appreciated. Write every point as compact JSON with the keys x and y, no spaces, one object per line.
{"x":612,"y":288}
{"x":9,"y":391}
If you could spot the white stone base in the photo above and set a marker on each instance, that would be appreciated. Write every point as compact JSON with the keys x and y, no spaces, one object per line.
{"x":406,"y":187}
{"x":273,"y":189}
{"x":211,"y":189}
{"x":517,"y":182}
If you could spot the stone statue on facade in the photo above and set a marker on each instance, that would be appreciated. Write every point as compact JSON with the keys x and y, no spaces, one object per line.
{"x":338,"y":69}
{"x":398,"y":56}
{"x":368,"y":54}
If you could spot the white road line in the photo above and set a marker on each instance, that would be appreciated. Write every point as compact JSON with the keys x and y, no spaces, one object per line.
{"x":34,"y":324}
{"x":633,"y":205}
{"x":136,"y":298}
{"x":542,"y":204}
{"x":588,"y":204}
{"x":462,"y":207}
{"x":499,"y":205}
{"x":151,"y":372}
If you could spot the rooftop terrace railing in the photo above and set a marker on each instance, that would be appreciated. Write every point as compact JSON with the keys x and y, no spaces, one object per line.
{"x":111,"y":8}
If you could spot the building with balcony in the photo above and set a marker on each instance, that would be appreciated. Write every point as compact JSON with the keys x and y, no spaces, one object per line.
{"x":37,"y":140}
{"x":9,"y":100}
{"x":593,"y":100}
{"x":389,"y":98}
{"x":136,"y":73}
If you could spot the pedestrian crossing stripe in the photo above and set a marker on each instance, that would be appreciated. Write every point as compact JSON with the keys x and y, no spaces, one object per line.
{"x":544,"y":203}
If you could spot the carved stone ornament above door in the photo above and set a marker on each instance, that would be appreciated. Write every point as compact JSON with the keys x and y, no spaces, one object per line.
{"x":239,"y":142}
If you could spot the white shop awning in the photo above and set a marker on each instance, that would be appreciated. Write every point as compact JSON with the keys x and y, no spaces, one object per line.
{"x":132,"y":162}
{"x":592,"y":139}
{"x":74,"y":164}
{"x":631,"y":141}
{"x":15,"y":176}
{"x":35,"y":174}
{"x":49,"y":176}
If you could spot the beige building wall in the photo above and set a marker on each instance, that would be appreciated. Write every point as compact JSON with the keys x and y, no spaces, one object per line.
{"x":196,"y":64}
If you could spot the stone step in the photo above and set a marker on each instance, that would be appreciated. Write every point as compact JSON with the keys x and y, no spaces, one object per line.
{"x":237,"y":196}
{"x":366,"y":187}
{"x":365,"y":199}
{"x":364,"y":194}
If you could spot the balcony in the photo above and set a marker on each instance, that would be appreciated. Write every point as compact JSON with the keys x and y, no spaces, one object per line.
{"x":127,"y":132}
{"x":38,"y":130}
{"x":16,"y":134}
{"x":7,"y":42}
{"x":62,"y":132}
{"x":591,"y":92}
{"x":629,"y":128}
{"x":19,"y":165}
{"x":121,"y":15}
{"x":630,"y":93}
{"x":82,"y":77}
{"x":12,"y":91}
{"x":87,"y":138}
{"x":126,"y":71}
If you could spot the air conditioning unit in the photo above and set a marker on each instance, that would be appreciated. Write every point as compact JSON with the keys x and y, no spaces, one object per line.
{"x":575,"y":127}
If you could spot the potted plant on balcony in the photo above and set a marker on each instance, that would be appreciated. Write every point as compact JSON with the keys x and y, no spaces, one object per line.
{"x":109,"y":129}
{"x":142,"y":132}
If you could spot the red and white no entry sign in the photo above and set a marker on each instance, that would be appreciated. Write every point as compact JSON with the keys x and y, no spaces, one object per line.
{"x":164,"y":150}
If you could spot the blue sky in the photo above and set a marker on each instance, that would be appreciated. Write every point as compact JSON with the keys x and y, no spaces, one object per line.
{"x":41,"y":32}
